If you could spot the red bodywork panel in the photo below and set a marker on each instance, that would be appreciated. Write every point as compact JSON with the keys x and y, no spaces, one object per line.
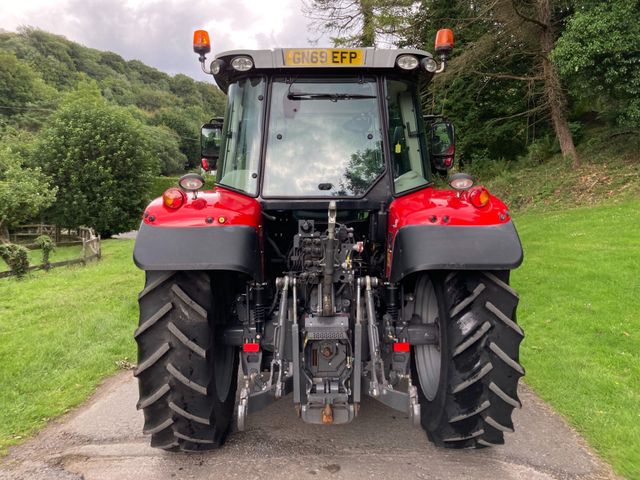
{"x":213,"y":208}
{"x":432,"y":206}
{"x":221,"y":207}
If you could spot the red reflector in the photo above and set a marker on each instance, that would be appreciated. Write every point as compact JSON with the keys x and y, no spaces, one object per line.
{"x":251,"y":347}
{"x":199,"y":203}
{"x":205,"y":164}
{"x":401,"y":347}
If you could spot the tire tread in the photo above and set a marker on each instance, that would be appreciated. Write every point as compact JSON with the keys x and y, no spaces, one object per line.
{"x":480,"y":362}
{"x":175,"y":372}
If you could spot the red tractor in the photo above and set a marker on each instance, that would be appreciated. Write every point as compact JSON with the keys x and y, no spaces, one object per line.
{"x":324,"y":263}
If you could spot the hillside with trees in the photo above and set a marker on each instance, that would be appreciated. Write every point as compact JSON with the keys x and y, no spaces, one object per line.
{"x":82,"y":129}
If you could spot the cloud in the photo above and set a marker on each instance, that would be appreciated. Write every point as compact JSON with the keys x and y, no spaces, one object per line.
{"x":158,"y":32}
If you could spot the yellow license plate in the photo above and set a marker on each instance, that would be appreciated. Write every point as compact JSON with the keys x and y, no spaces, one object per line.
{"x":323,"y":57}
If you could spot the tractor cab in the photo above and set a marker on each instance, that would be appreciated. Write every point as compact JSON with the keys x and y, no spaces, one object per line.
{"x":319,"y":124}
{"x":304,"y":126}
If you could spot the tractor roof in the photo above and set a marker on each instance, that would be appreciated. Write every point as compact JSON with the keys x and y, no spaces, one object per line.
{"x":283,"y":60}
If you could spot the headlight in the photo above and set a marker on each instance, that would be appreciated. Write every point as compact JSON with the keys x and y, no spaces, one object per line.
{"x":242,"y":64}
{"x":407,"y":62}
{"x":191,"y":182}
{"x":429,"y":64}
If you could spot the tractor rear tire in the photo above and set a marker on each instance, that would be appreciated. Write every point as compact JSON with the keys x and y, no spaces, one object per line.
{"x":470,"y":401}
{"x":187,"y":380}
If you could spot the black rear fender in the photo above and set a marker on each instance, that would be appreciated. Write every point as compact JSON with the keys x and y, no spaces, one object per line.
{"x":435,"y":247}
{"x":232,"y":248}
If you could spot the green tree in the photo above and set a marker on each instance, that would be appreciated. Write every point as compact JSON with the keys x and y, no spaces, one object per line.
{"x":24,"y":190}
{"x":164,"y":145}
{"x":186,"y":123}
{"x":20,"y":88}
{"x":98,"y":157}
{"x":360,"y":23}
{"x":16,"y":84}
{"x":599,"y":56}
{"x":186,"y":89}
{"x":504,"y":60}
{"x":49,"y":54}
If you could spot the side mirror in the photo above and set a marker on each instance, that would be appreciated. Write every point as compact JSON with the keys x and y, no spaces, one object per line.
{"x":211,"y":141}
{"x":442,"y":144}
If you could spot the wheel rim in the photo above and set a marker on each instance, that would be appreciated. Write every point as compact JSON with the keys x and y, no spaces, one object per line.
{"x":222,"y":368}
{"x":427,"y":357}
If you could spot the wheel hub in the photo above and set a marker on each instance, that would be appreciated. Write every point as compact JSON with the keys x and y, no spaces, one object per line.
{"x":427,"y":357}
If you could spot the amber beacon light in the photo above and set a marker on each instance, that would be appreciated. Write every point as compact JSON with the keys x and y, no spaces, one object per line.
{"x":444,"y":41}
{"x":201,"y":42}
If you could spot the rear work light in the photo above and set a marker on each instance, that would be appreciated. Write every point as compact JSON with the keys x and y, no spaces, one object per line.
{"x":461,"y":181}
{"x":242,"y":64}
{"x":407,"y":62}
{"x":173,"y":198}
{"x":191,"y":182}
{"x":479,"y":197}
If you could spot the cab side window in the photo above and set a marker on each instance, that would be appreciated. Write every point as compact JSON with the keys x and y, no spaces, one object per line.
{"x":406,"y":137}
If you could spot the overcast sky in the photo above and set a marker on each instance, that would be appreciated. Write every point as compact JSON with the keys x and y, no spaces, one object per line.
{"x":159,"y":32}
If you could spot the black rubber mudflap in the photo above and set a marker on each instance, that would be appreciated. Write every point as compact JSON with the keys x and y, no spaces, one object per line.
{"x":175,"y":363}
{"x":480,"y":362}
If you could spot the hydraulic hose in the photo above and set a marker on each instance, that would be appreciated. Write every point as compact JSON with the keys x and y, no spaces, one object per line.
{"x":329,"y":255}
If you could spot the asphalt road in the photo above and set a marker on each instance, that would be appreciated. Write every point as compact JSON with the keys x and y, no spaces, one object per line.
{"x":103,"y":440}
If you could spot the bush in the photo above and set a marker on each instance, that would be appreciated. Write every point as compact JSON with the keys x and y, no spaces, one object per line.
{"x":47,"y":246}
{"x":542,"y":149}
{"x":98,"y":157}
{"x":16,"y":257}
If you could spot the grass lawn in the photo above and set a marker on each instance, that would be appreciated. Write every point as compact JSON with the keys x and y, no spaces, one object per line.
{"x":580,"y":309}
{"x":61,"y":333}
